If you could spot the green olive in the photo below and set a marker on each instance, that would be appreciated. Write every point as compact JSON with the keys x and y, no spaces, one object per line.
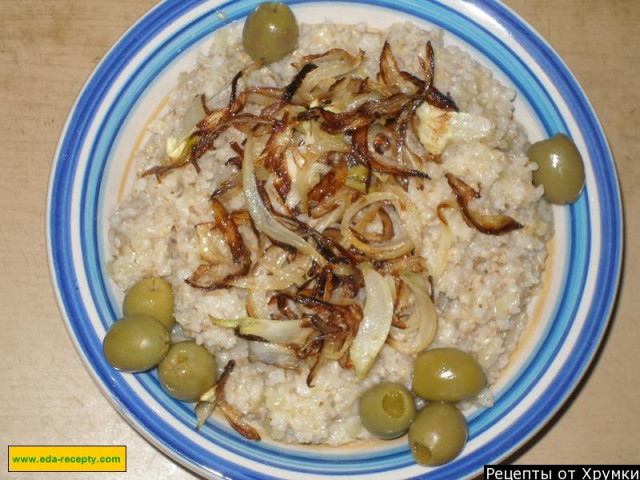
{"x":447,"y":374}
{"x":135,"y":343}
{"x":386,"y":410}
{"x":270,"y":32}
{"x":438,"y":434}
{"x":560,"y":168}
{"x":187,"y":371}
{"x":151,"y":297}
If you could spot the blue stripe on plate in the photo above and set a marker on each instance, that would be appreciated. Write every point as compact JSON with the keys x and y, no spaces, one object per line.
{"x":62,"y":188}
{"x":189,"y":34}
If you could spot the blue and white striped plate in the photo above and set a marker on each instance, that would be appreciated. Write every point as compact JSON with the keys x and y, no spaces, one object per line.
{"x":90,"y":171}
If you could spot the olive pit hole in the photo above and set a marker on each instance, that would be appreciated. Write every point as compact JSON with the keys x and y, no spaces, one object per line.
{"x":393,"y":404}
{"x":421,"y":453}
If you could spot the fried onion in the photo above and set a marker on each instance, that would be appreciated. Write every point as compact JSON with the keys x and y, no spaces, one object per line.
{"x":328,"y":249}
{"x":488,"y":224}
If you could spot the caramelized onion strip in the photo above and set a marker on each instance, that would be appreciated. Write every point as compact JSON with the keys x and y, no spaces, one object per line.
{"x":234,"y":417}
{"x":360,"y":147}
{"x":262,"y":218}
{"x":397,"y":247}
{"x":393,"y":77}
{"x":487,"y":224}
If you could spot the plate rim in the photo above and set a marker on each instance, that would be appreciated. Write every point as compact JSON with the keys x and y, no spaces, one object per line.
{"x":584,"y":368}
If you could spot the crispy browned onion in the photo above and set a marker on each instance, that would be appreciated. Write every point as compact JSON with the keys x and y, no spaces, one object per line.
{"x":489,"y":224}
{"x":321,"y":165}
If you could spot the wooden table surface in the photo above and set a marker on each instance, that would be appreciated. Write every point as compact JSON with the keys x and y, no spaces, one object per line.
{"x":47,"y":50}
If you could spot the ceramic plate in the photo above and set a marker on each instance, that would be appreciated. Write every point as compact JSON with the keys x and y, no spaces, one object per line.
{"x":90,"y":169}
